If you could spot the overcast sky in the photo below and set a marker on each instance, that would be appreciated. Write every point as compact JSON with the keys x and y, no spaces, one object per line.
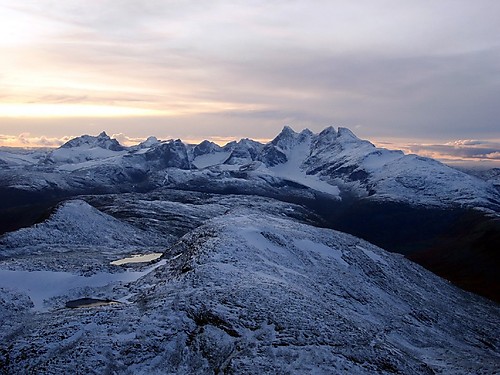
{"x":414,"y":71}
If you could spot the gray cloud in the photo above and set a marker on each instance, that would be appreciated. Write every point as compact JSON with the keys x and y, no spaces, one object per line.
{"x":389,"y":68}
{"x":466,"y":149}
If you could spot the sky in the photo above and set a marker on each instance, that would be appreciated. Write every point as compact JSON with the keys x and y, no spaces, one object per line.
{"x":420,"y":75}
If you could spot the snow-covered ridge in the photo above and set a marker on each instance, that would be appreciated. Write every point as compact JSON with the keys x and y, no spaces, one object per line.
{"x":253,"y":292}
{"x":75,"y":222}
{"x":74,"y":233}
{"x":334,"y":161}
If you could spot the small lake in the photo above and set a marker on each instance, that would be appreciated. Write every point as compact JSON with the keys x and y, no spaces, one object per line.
{"x":139,"y":258}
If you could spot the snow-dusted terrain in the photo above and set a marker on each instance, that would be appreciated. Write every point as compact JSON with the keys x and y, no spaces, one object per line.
{"x":253,"y":292}
{"x":491,"y":175}
{"x":73,"y":238}
{"x":334,"y":162}
{"x":202,"y":259}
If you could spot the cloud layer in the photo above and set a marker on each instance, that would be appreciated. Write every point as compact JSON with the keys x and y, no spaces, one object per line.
{"x":461,"y":149}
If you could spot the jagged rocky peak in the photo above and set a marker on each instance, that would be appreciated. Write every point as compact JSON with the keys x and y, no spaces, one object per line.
{"x":102,"y":140}
{"x":276,"y":152}
{"x":205,"y":147}
{"x":329,"y":133}
{"x":304,"y":134}
{"x":285,"y":139}
{"x":152,"y":140}
{"x":325,"y":138}
{"x":172,"y":153}
{"x":244,"y":151}
{"x":342,"y":134}
{"x":229,"y":146}
{"x":347,"y":135}
{"x":329,"y":137}
{"x":249,"y":144}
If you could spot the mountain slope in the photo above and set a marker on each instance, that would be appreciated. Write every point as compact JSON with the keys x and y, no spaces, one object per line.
{"x":83,"y":149}
{"x":256,"y":293}
{"x":404,"y":203}
{"x":73,"y":236}
{"x":359,"y":168}
{"x":335,"y":162}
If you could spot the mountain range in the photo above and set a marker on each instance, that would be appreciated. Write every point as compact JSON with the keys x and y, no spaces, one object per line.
{"x":334,"y":162}
{"x":272,"y":258}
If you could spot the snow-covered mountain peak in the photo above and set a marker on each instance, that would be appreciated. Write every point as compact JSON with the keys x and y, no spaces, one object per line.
{"x":205,"y":147}
{"x":347,"y":135}
{"x":326,"y":137}
{"x":244,"y":151}
{"x":171,"y":153}
{"x":101,"y":141}
{"x":84,"y":149}
{"x":287,"y":130}
{"x":336,"y":141}
{"x":329,"y":131}
{"x":286,"y":139}
{"x":280,"y":148}
{"x":305,"y":133}
{"x":152,"y":140}
{"x":341,"y":138}
{"x":78,"y":224}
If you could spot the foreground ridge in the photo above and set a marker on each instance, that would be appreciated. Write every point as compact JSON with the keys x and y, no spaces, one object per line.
{"x":252,"y":291}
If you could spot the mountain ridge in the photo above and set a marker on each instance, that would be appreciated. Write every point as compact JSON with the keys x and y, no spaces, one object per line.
{"x":246,"y":258}
{"x":403,"y":203}
{"x":333,"y":161}
{"x":251,"y":291}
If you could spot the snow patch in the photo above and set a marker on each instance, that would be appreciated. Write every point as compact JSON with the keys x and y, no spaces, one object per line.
{"x":375,"y":257}
{"x":43,"y":285}
{"x":209,"y":160}
{"x":137,"y":258}
{"x":292,"y":170}
{"x":322,"y":250}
